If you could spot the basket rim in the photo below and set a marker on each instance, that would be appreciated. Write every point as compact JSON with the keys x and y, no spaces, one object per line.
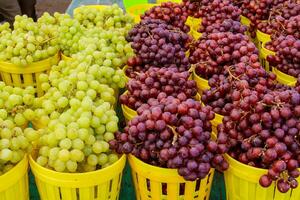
{"x":34,"y":67}
{"x":14,"y":175}
{"x":77,"y":180}
{"x":156,"y":173}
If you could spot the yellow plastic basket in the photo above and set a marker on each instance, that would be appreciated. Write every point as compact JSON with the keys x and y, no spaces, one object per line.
{"x":124,"y":70}
{"x":137,"y":10}
{"x":262,"y":38}
{"x":65,"y":58}
{"x":284,"y":78}
{"x":102,"y":184}
{"x":14,"y":183}
{"x":196,"y":35}
{"x":245,"y":21}
{"x":264,"y":53}
{"x":202,"y":84}
{"x":17,"y":76}
{"x":242,"y":183}
{"x":216,"y":121}
{"x":193,"y":22}
{"x":149,"y":182}
{"x":99,"y":7}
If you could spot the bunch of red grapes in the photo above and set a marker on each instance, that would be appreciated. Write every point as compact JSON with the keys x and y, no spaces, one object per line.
{"x":262,"y":131}
{"x":228,"y":25}
{"x":157,"y":82}
{"x":216,"y":12}
{"x":174,"y":133}
{"x":194,"y":7}
{"x":278,"y":26}
{"x":210,"y":54}
{"x":287,"y":57}
{"x":171,"y":13}
{"x":157,"y":44}
{"x":224,"y":87}
{"x":257,"y":11}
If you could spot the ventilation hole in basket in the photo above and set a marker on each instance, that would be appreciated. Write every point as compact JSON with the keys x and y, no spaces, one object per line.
{"x":22,"y":80}
{"x":198,"y":183}
{"x":110,"y":186}
{"x":96,"y":192}
{"x":148,"y":184}
{"x":164,"y":188}
{"x":34,"y":79}
{"x":181,"y":188}
{"x":59,"y":191}
{"x":77,"y":193}
{"x":208,"y":178}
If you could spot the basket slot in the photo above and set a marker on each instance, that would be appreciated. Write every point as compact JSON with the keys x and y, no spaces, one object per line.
{"x":155,"y":188}
{"x":173,"y":191}
{"x":68,"y":193}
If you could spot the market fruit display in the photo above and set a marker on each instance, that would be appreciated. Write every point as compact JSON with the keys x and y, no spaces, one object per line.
{"x":78,"y":129}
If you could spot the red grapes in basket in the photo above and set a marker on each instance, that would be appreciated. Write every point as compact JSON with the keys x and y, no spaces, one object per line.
{"x":173,"y":134}
{"x":263,"y":132}
{"x":287,"y":57}
{"x":210,"y":54}
{"x":217,"y":11}
{"x":171,"y":13}
{"x":227,"y":25}
{"x":159,"y":44}
{"x":236,"y":79}
{"x":157,"y":82}
{"x":194,"y":7}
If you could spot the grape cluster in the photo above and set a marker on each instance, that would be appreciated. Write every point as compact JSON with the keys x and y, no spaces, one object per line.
{"x":236,"y":79}
{"x":15,"y":112}
{"x":287,"y":57}
{"x":216,"y":12}
{"x":279,"y":26}
{"x":159,"y":44}
{"x":29,"y":41}
{"x":171,"y":13}
{"x":107,"y":17}
{"x":174,"y":134}
{"x":194,"y":8}
{"x":77,"y":139}
{"x":156,"y":83}
{"x":210,"y":54}
{"x":263,"y":133}
{"x":228,"y":25}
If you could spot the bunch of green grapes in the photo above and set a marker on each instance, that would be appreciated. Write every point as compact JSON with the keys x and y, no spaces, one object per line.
{"x":79,"y":78}
{"x":70,"y":31}
{"x":77,"y":140}
{"x":107,"y":48}
{"x":29,"y":41}
{"x":15,"y":113}
{"x":107,"y":17}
